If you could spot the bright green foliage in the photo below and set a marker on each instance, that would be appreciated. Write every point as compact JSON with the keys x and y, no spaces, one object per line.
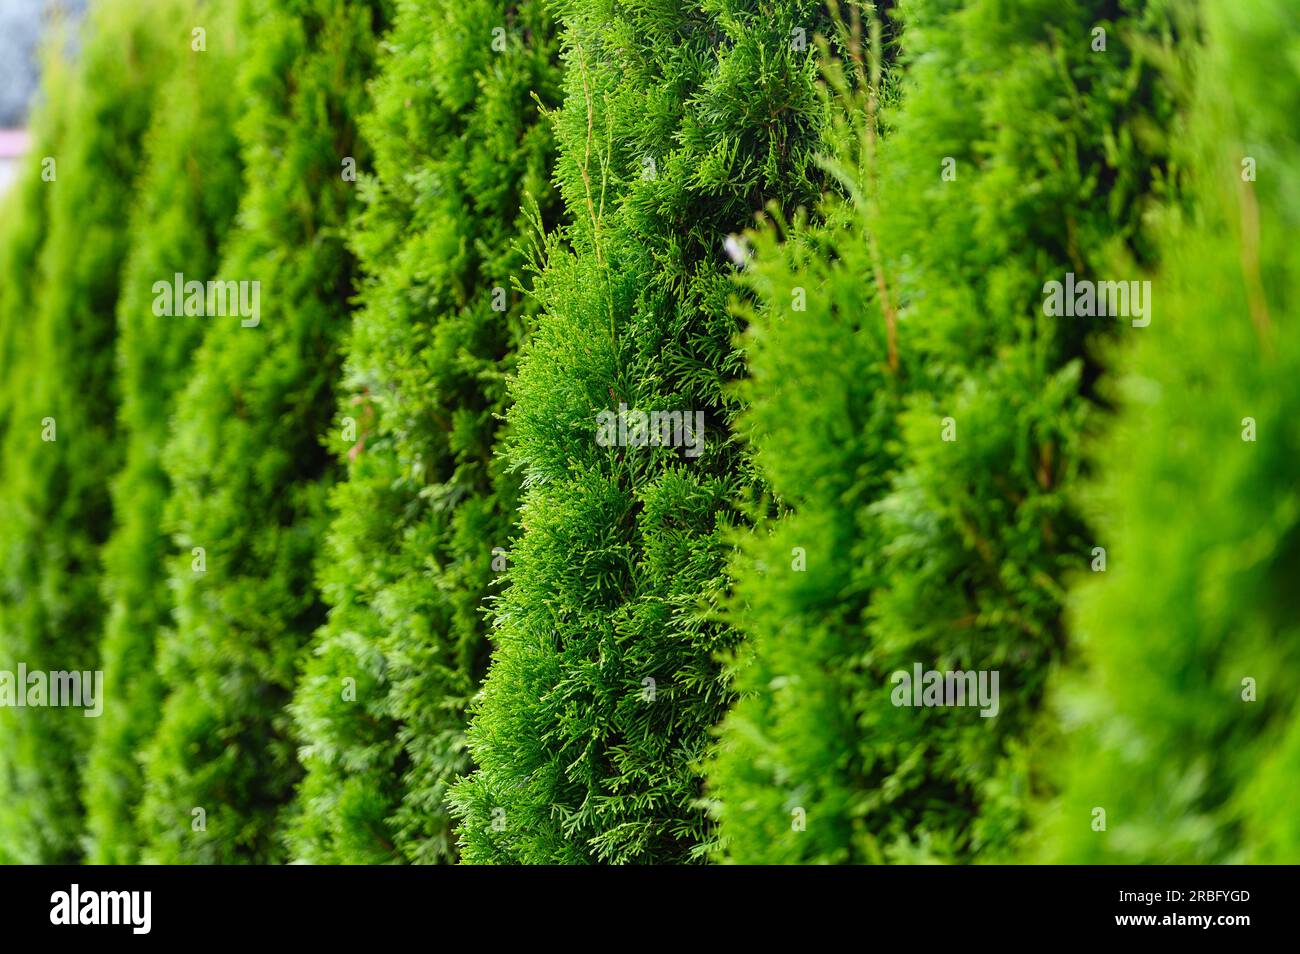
{"x":681,"y":121}
{"x":284,"y":535}
{"x":822,"y":420}
{"x":1202,"y":527}
{"x":461,"y":154}
{"x":24,"y":213}
{"x":931,"y":499}
{"x":56,"y":510}
{"x":247,"y":461}
{"x":188,"y":196}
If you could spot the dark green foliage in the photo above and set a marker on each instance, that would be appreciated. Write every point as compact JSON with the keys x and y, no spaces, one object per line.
{"x":950,"y":553}
{"x":246,"y":460}
{"x":461,"y":153}
{"x":1202,"y":527}
{"x":188,"y":196}
{"x":680,"y":123}
{"x":56,"y":510}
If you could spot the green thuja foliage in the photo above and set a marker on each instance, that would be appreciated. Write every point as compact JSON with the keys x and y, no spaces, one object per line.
{"x":25,"y":214}
{"x":822,"y":405}
{"x":61,"y":446}
{"x":247,"y":460}
{"x":922,"y":421}
{"x":1186,"y":729}
{"x":680,"y":122}
{"x":461,"y":156}
{"x":187,"y":198}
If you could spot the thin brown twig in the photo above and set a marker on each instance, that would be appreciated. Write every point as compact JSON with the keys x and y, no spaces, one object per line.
{"x":877,"y":260}
{"x":1259,"y":315}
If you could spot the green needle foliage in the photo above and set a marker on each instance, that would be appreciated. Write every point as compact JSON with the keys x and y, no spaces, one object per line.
{"x":680,"y":122}
{"x":25,"y":214}
{"x":1186,"y":725}
{"x":188,"y":195}
{"x":611,"y":401}
{"x":61,"y":446}
{"x":461,"y":156}
{"x":822,"y":422}
{"x":247,"y":461}
{"x":929,"y":479}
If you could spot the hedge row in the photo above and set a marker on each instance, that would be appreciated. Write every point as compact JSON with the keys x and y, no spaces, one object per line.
{"x":188,"y":195}
{"x":461,"y":184}
{"x":604,"y":683}
{"x":250,"y":475}
{"x":921,"y":417}
{"x":620,"y":400}
{"x":1184,"y":731}
{"x":62,"y":445}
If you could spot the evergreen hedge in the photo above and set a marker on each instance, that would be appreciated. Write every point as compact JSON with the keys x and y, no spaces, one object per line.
{"x":922,"y":420}
{"x":25,"y":212}
{"x":247,"y":461}
{"x":187,"y":199}
{"x":61,"y":445}
{"x":462,"y":178}
{"x":26,"y":217}
{"x":679,"y":123}
{"x":1184,"y":723}
{"x":634,"y":391}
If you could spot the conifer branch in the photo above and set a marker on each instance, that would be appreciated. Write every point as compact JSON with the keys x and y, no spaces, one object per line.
{"x":868,"y":78}
{"x":873,"y":190}
{"x":597,"y":218}
{"x":586,"y":157}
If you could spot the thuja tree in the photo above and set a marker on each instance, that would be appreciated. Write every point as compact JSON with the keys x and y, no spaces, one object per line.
{"x":187,"y":198}
{"x":462,"y":172}
{"x":25,"y":218}
{"x":61,"y":444}
{"x":823,"y":394}
{"x":247,"y":462}
{"x":679,"y":124}
{"x":932,"y":522}
{"x":26,"y":221}
{"x":1186,"y":730}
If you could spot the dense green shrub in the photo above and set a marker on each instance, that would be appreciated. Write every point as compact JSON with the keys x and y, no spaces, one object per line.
{"x":247,"y":459}
{"x":679,"y":124}
{"x":61,"y":446}
{"x":929,"y":479}
{"x":1189,"y":762}
{"x":187,"y":199}
{"x":461,"y":157}
{"x":822,"y":422}
{"x":25,"y":215}
{"x":308,"y":544}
